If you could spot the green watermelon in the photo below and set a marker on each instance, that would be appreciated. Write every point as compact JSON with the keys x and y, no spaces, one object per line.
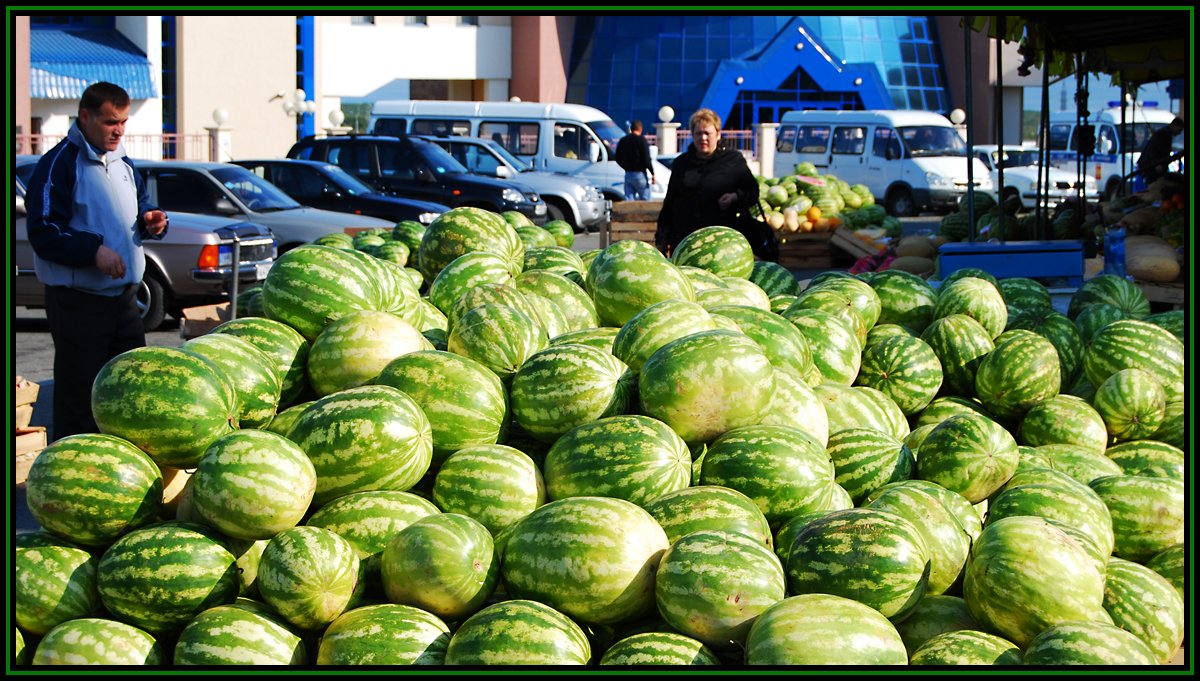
{"x":944,"y":536}
{"x":721,"y":250}
{"x":1149,"y":515}
{"x":308,"y":575}
{"x":976,"y":298}
{"x":444,"y":564}
{"x":1149,"y":458}
{"x":1113,"y":290}
{"x":784,"y":344}
{"x":533,"y":236}
{"x":571,"y":299}
{"x":1145,"y":604}
{"x":385,"y":634}
{"x":311,"y":285}
{"x":1171,"y":563}
{"x":92,"y":641}
{"x":823,"y":629}
{"x":934,"y":615}
{"x":499,"y":337}
{"x":905,"y":299}
{"x":1066,"y":503}
{"x":629,"y":276}
{"x":905,"y":369}
{"x":1061,"y":332}
{"x":233,"y":635}
{"x":837,"y":350}
{"x":1087,"y":643}
{"x":565,"y":386}
{"x":796,"y":405}
{"x":861,"y":406}
{"x":53,"y":581}
{"x":465,"y":230}
{"x":960,"y":343}
{"x":655,"y":326}
{"x":1063,"y":419}
{"x":1096,"y":316}
{"x":658,"y":648}
{"x":283,"y":344}
{"x":1132,"y":403}
{"x":969,"y":454}
{"x":835,"y":302}
{"x":1020,"y":372}
{"x":353,"y":350}
{"x":518,"y":632}
{"x":601,"y":338}
{"x":866,"y":459}
{"x":466,"y":272}
{"x":496,"y":485}
{"x":774,"y":278}
{"x":556,"y":259}
{"x":966,"y":648}
{"x":709,"y":507}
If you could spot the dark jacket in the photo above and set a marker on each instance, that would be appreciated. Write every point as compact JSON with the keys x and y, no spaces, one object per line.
{"x":633,"y":154}
{"x":692,"y":194}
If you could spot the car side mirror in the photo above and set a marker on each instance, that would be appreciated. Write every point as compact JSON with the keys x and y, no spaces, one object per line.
{"x":503,"y":172}
{"x":593,"y":152}
{"x":224,"y":206}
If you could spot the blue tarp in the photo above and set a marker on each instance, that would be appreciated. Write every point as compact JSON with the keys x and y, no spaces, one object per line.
{"x":64,"y":62}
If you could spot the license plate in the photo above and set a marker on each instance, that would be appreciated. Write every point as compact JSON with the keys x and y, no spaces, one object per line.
{"x":261,"y":269}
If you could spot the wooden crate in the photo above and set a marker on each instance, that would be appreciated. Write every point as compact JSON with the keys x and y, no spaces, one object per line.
{"x":29,"y":442}
{"x":806,"y":250}
{"x":1173,"y":294}
{"x":631,"y":220}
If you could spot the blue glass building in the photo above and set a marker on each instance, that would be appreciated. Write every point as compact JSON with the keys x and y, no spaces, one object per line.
{"x":753,"y":69}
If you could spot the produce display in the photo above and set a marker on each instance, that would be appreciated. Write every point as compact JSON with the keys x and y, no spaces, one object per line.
{"x":517,"y":455}
{"x":807,"y":201}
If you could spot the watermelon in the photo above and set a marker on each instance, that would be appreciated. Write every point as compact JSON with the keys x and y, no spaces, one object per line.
{"x":1113,"y":290}
{"x":1066,"y":503}
{"x":1024,"y":293}
{"x":966,"y":647}
{"x":866,"y":459}
{"x":1171,"y":563}
{"x":1063,"y":419}
{"x":593,"y":558}
{"x":312,"y":285}
{"x":444,"y":564}
{"x":499,"y":337}
{"x":253,"y":484}
{"x":565,"y":386}
{"x":1145,"y":604}
{"x":934,"y":615}
{"x":861,"y":406}
{"x":905,"y":299}
{"x":635,"y":458}
{"x":409,"y":233}
{"x":904,"y":368}
{"x":366,"y":438}
{"x":496,"y":485}
{"x":1020,"y":372}
{"x":308,"y":575}
{"x":835,"y":302}
{"x":749,"y":290}
{"x":535,"y":237}
{"x":721,"y":250}
{"x":780,"y":339}
{"x":976,"y":298}
{"x":969,"y":454}
{"x":797,"y":405}
{"x":1132,"y":403}
{"x":233,"y":635}
{"x":774,"y":278}
{"x":92,"y":641}
{"x":285,"y":346}
{"x":172,"y":404}
{"x":395,"y":252}
{"x":960,"y":343}
{"x":384,"y":634}
{"x":1095,"y":317}
{"x":601,"y":338}
{"x":837,"y":350}
{"x":823,"y":629}
{"x":944,"y":536}
{"x":709,"y":507}
{"x":1149,"y":458}
{"x":577,"y":308}
{"x":711,"y":585}
{"x":974,"y":272}
{"x":655,"y":326}
{"x":1171,"y":320}
{"x":159,"y":577}
{"x":862,"y":296}
{"x":1087,"y":643}
{"x":353,"y":350}
{"x":701,"y":279}
{"x":1061,"y":332}
{"x":556,"y":259}
{"x":93,"y":488}
{"x":465,"y":230}
{"x":1131,"y":344}
{"x":658,"y":648}
{"x":53,"y":581}
{"x":629,"y":276}
{"x":518,"y":632}
{"x":1148,"y":514}
{"x":464,"y":273}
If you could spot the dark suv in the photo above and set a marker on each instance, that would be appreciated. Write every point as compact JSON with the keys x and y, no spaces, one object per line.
{"x":418,"y":169}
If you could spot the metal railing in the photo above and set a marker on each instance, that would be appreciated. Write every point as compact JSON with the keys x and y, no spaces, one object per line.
{"x":164,"y":146}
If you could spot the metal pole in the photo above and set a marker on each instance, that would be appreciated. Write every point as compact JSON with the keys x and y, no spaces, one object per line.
{"x":1000,"y":120}
{"x":970,"y":134}
{"x":237,"y":275}
{"x":1044,"y":161}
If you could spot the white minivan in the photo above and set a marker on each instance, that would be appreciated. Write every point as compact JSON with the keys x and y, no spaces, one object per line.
{"x":564,"y":138}
{"x":1116,"y":155}
{"x":910,"y":160}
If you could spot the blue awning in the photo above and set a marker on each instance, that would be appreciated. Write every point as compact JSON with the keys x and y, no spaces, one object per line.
{"x":64,"y":62}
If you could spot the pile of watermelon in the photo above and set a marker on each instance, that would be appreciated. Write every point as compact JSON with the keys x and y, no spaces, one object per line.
{"x":512,"y":455}
{"x":808,"y":201}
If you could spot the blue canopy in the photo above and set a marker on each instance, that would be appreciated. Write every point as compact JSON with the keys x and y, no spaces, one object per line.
{"x":64,"y":62}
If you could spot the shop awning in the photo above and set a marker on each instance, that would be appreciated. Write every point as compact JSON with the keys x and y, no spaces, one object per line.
{"x":64,"y":62}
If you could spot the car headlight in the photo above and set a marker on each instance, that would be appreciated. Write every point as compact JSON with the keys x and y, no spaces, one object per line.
{"x":985,"y":183}
{"x":1089,"y":184}
{"x":512,"y":195}
{"x":935,"y":180}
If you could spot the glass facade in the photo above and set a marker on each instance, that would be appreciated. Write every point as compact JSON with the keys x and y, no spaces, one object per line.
{"x":630,"y":66}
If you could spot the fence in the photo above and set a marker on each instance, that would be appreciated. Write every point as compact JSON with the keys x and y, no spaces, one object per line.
{"x":165,"y":146}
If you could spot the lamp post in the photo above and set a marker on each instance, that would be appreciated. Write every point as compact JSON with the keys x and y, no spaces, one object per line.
{"x":220,"y":137}
{"x":668,"y":140}
{"x":297,"y":104}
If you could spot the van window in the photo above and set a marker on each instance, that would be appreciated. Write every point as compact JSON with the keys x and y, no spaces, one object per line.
{"x":391,"y":126}
{"x":850,"y":140}
{"x":1106,"y":140}
{"x":786,"y":141}
{"x":474,"y":158}
{"x":887,"y":144}
{"x":518,"y":137}
{"x":932,"y":140}
{"x":1059,"y":134}
{"x":812,"y":139}
{"x":570,"y":141}
{"x":441,"y":128}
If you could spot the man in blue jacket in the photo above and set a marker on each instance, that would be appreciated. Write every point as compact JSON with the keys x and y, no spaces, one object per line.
{"x":88,"y":213}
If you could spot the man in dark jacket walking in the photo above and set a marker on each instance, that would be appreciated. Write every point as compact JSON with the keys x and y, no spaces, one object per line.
{"x":633,"y":155}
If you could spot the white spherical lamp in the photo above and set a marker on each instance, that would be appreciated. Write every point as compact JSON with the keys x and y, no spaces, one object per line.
{"x":665,"y":114}
{"x":336,"y":118}
{"x":957,"y":116}
{"x":220,"y":116}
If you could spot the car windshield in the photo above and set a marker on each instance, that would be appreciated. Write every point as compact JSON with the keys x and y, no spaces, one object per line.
{"x":347,"y":182}
{"x":1016,"y":159}
{"x":439,"y":159}
{"x":258,"y":194}
{"x":609,"y":133}
{"x":499,"y":150}
{"x":932,"y":140}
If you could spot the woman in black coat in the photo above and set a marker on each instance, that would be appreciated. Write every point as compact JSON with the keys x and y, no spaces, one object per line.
{"x":709,"y":186}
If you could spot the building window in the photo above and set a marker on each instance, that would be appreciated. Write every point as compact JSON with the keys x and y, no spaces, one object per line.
{"x":362,"y":21}
{"x":416,"y":21}
{"x":468,"y":21}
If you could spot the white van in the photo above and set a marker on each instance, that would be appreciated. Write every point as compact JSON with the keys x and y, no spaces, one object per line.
{"x":563,"y":138}
{"x":910,"y":160}
{"x":1116,"y":155}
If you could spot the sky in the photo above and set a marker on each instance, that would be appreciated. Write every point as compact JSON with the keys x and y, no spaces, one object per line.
{"x":1100,"y":93}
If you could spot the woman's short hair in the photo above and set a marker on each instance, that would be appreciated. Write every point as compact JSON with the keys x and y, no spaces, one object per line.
{"x":703,"y":116}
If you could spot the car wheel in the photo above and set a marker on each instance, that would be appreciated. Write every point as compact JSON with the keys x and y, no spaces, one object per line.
{"x":553,"y":212}
{"x":900,"y":203}
{"x":151,"y":301}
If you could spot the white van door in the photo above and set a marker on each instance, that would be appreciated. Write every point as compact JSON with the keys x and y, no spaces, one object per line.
{"x":885,"y":162}
{"x":574,"y":149}
{"x":812,"y":145}
{"x":847,"y":153}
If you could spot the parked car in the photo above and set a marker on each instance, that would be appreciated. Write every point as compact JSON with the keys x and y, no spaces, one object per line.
{"x":231,"y":191}
{"x":1020,"y":165}
{"x":328,"y":187}
{"x":191,"y":265}
{"x":571,"y":198}
{"x":419,"y":169}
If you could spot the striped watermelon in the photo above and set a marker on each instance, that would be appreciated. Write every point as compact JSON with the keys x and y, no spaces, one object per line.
{"x":1087,"y":643}
{"x":837,"y":350}
{"x":1149,"y":458}
{"x":1171,"y":320}
{"x":398,"y":293}
{"x":1149,"y":515}
{"x":495,"y":294}
{"x":707,"y":384}
{"x":749,"y":290}
{"x":711,"y":585}
{"x":384,"y":634}
{"x":170,"y":403}
{"x":785,"y":536}
{"x":565,"y":386}
{"x":975,"y":298}
{"x":656,"y":326}
{"x":861,"y":295}
{"x":464,"y":401}
{"x":1021,"y":371}
{"x":465,"y":230}
{"x":905,"y":299}
{"x":335,"y":240}
{"x":92,"y":641}
{"x":494,"y":484}
{"x":253,"y":484}
{"x":635,"y":458}
{"x":702,"y":280}
{"x":709,"y":507}
{"x":934,"y":615}
{"x":976,"y":272}
{"x":882,"y":562}
{"x":1131,"y":344}
{"x":233,"y":635}
{"x":784,"y":470}
{"x":518,"y":632}
{"x":393,"y":251}
{"x":251,"y":372}
{"x":723,"y":296}
{"x":536,"y":237}
{"x":577,"y":308}
{"x":308,"y":575}
{"x":353,"y":350}
{"x":283,"y":344}
{"x":159,"y":577}
{"x":1082,"y":464}
{"x":1174,"y":428}
{"x":499,"y":337}
{"x":966,"y":647}
{"x":823,"y":629}
{"x":367,"y":438}
{"x":1095,"y":317}
{"x":905,"y":369}
{"x":432,"y":319}
{"x":1061,"y":332}
{"x":721,"y":250}
{"x":835,"y":302}
{"x":283,"y":421}
{"x":882,"y":332}
{"x":960,"y":343}
{"x":865,"y":459}
{"x":1171,"y":563}
{"x":1064,"y":502}
{"x":1063,"y":419}
{"x":629,"y":276}
{"x":782,"y":302}
{"x":1026,"y":575}
{"x":1144,"y":603}
{"x":969,"y":454}
{"x":944,"y":536}
{"x":861,"y":406}
{"x":774,"y":278}
{"x":593,"y":558}
{"x":601,"y":338}
{"x":466,"y":272}
{"x":968,"y":516}
{"x":658,"y":648}
{"x":444,"y":564}
{"x":53,"y":581}
{"x":312,"y":285}
{"x":1024,"y":293}
{"x":368,"y":520}
{"x":1132,"y":403}
{"x":780,"y":339}
{"x":795,"y":404}
{"x":557,"y":259}
{"x":1113,"y":290}
{"x":93,"y":488}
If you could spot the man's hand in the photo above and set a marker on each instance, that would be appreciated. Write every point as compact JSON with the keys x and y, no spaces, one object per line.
{"x":155,"y":221}
{"x":110,"y":262}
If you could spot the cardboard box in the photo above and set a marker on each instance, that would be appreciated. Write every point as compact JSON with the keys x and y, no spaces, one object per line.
{"x":198,"y":321}
{"x":29,"y":443}
{"x":857,"y":246}
{"x":23,"y":416}
{"x":27,"y":391}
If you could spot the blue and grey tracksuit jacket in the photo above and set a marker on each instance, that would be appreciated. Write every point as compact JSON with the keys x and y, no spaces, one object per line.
{"x":77,"y":200}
